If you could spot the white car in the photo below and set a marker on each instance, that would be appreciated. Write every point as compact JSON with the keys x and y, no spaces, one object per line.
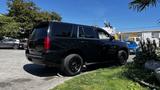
{"x":9,"y":43}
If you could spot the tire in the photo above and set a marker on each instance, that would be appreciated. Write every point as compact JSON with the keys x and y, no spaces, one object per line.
{"x":122,"y":57}
{"x":15,"y":47}
{"x":72,"y":65}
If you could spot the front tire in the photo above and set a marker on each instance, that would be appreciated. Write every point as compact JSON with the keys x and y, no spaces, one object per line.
{"x":72,"y":65}
{"x":122,"y":57}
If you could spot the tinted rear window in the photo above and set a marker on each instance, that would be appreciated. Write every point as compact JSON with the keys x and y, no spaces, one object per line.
{"x":39,"y":33}
{"x":61,"y":29}
{"x":89,"y":32}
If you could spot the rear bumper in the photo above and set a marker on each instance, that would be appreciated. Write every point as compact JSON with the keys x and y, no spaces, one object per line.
{"x":49,"y":59}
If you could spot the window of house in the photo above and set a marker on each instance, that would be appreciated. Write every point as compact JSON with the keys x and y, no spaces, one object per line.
{"x":155,"y":35}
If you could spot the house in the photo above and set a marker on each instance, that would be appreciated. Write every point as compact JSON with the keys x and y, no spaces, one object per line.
{"x":152,"y":35}
{"x":143,"y":35}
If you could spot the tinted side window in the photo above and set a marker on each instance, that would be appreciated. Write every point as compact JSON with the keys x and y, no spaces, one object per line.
{"x":61,"y":30}
{"x":89,"y":32}
{"x":39,"y":33}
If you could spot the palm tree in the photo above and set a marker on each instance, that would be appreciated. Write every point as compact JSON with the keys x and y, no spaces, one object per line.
{"x":107,"y":24}
{"x":140,"y":5}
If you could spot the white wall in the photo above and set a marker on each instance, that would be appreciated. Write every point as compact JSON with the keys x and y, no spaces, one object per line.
{"x":146,"y":35}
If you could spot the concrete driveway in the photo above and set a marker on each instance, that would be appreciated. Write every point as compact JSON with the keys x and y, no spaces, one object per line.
{"x":17,"y":73}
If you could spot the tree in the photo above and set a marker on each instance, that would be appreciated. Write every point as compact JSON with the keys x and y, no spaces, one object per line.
{"x":47,"y":16}
{"x":22,"y":12}
{"x":8,"y":26}
{"x":55,"y":16}
{"x":140,"y":5}
{"x":28,"y":15}
{"x":107,"y":24}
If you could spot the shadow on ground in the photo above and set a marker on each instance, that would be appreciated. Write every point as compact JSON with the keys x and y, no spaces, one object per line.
{"x":42,"y":71}
{"x":95,"y":66}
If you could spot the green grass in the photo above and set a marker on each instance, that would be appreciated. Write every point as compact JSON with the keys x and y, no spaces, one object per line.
{"x":101,"y":79}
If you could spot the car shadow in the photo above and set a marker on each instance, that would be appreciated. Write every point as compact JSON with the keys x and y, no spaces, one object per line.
{"x":42,"y":71}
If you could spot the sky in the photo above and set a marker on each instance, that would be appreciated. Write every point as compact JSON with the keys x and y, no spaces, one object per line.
{"x":95,"y":12}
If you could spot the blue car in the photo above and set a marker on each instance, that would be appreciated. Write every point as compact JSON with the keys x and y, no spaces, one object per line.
{"x":132,"y":46}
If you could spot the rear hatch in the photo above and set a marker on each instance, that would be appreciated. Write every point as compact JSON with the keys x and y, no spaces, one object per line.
{"x":36,"y":42}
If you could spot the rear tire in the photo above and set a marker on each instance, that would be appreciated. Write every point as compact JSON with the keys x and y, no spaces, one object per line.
{"x":72,"y":65}
{"x":122,"y":57}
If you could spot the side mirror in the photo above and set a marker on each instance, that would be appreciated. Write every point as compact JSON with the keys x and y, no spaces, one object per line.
{"x":112,"y":38}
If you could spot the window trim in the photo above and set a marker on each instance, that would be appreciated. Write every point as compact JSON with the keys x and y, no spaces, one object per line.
{"x":74,"y":31}
{"x":78,"y":35}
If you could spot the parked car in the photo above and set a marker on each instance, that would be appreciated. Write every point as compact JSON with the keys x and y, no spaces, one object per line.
{"x":135,"y":39}
{"x":23,"y":44}
{"x":70,"y":46}
{"x":9,"y":43}
{"x":132,"y":46}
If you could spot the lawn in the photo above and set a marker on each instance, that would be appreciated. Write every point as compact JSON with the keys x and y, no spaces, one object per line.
{"x":102,"y":79}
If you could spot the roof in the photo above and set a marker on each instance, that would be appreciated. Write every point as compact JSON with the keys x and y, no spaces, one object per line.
{"x":151,"y":31}
{"x":142,"y":31}
{"x":74,"y":24}
{"x":47,"y":22}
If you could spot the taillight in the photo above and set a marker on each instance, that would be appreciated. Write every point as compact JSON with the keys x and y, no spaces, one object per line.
{"x":47,"y":42}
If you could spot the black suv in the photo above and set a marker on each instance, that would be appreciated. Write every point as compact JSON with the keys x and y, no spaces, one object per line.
{"x":70,"y":46}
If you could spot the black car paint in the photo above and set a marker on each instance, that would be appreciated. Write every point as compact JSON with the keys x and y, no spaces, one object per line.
{"x":91,"y":49}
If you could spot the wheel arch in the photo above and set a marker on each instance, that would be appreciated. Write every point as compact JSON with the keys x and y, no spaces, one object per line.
{"x":125,"y":49}
{"x":75,"y":51}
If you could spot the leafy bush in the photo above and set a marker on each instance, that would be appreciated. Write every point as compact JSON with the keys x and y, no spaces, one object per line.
{"x":141,"y":75}
{"x":147,"y":51}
